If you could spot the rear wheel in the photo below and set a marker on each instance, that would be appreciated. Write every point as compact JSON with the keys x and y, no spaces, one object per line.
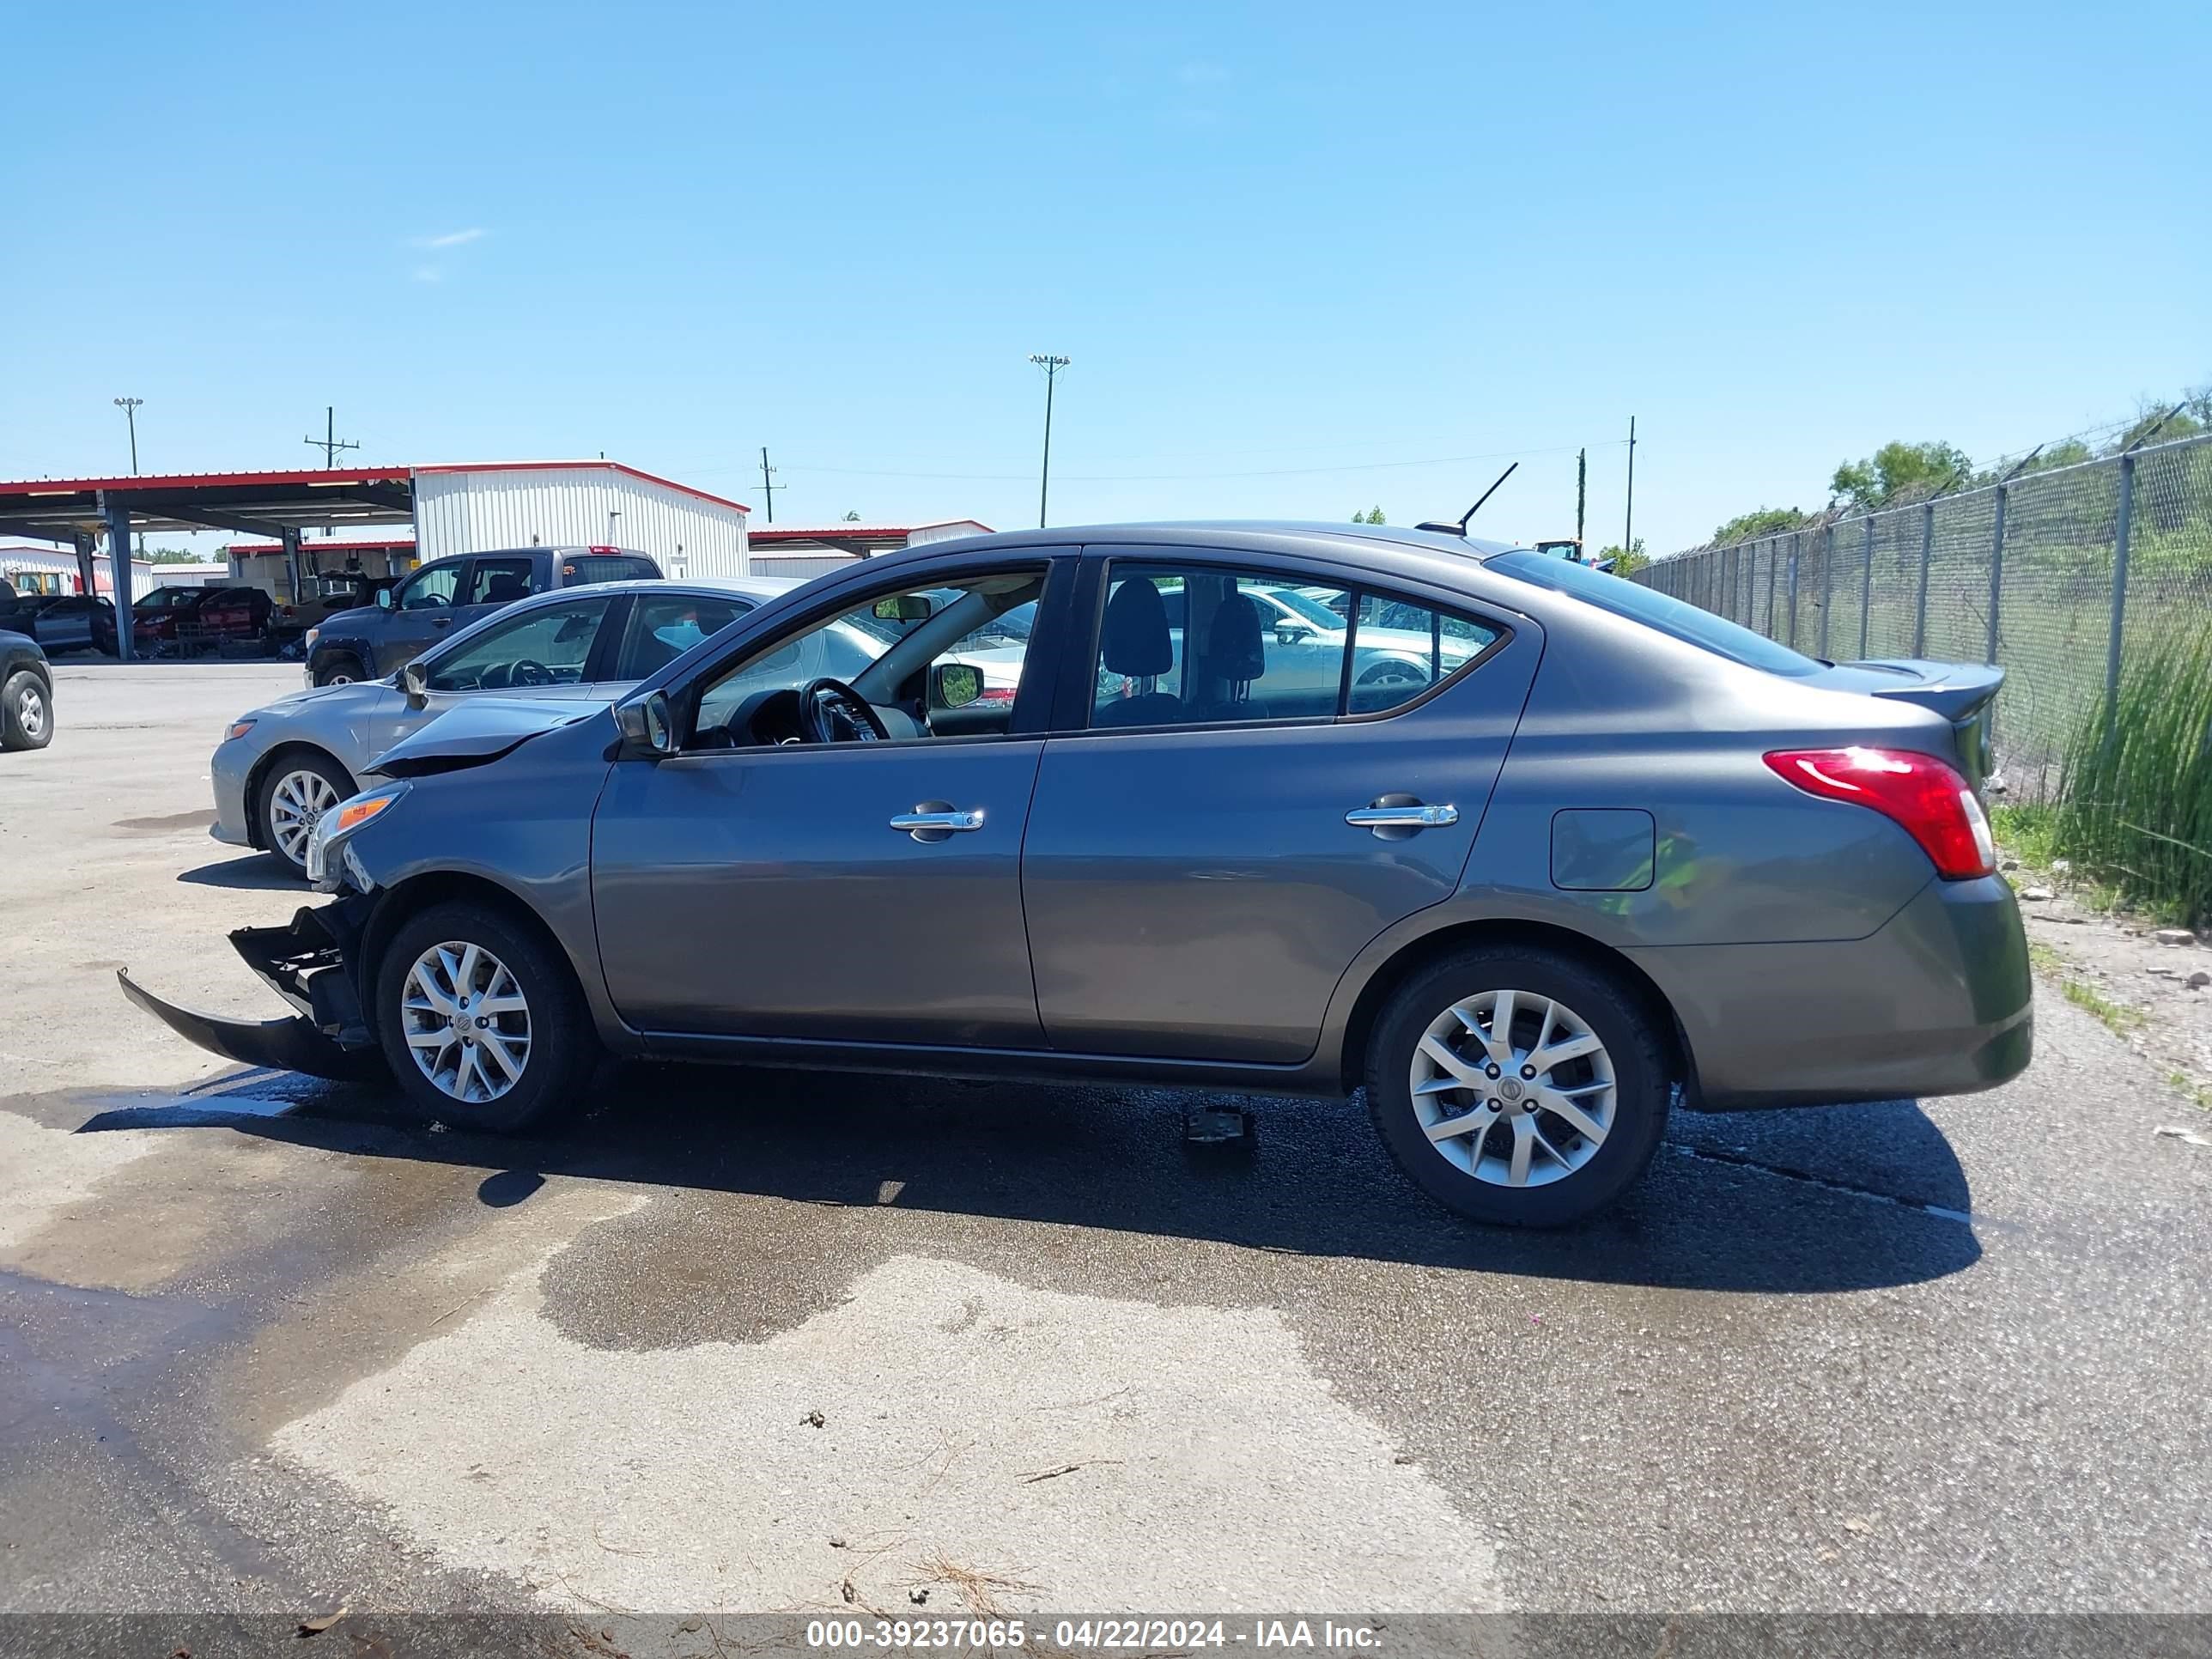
{"x":295,"y":792}
{"x":481,"y":1021}
{"x":340,"y":670}
{"x":26,"y":712}
{"x":1518,"y":1086}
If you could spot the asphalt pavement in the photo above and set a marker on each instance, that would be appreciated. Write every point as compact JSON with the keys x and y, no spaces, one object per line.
{"x":740,"y":1340}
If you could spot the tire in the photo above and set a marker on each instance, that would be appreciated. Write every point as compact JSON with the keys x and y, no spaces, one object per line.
{"x":1566,"y":1176}
{"x":26,"y":712}
{"x":513,"y":963}
{"x":340,"y":671}
{"x":296,"y":787}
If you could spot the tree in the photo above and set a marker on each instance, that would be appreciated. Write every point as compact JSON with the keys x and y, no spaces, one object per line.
{"x":1373,"y":515}
{"x":172,"y":556}
{"x":851,"y":516}
{"x":1626,"y":562}
{"x":1761,"y":521}
{"x":1897,"y":472}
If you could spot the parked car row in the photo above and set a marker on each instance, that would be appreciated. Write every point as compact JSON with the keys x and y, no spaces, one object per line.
{"x":1523,"y":851}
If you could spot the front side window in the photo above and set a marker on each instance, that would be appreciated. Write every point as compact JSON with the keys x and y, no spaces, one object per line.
{"x":1184,"y":645}
{"x":662,"y":627}
{"x":937,"y":662}
{"x":549,"y":645}
{"x":500,"y":581}
{"x":431,"y":588}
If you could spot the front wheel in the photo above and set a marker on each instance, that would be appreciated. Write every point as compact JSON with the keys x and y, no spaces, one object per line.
{"x":481,"y":1021}
{"x":27,"y":713}
{"x":294,"y":795}
{"x":1518,"y":1086}
{"x":340,"y":670}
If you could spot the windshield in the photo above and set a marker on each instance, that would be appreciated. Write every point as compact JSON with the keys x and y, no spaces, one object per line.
{"x":1653,"y":609}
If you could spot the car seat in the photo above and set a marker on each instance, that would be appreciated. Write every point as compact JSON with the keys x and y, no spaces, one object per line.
{"x":505,"y":588}
{"x":1235,"y":655}
{"x":1136,"y":642}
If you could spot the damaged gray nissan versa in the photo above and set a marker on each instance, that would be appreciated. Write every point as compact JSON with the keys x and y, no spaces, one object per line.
{"x":1522,"y":848}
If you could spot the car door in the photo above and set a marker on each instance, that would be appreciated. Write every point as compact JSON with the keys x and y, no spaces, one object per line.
{"x":1193,"y":886}
{"x":423,"y":612}
{"x":867,"y":891}
{"x":495,"y":581}
{"x":556,"y":649}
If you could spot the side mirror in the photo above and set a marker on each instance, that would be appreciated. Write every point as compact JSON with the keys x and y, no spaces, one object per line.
{"x":648,"y":724}
{"x":416,"y":683}
{"x":904,"y":608}
{"x":384,"y":599}
{"x":954,"y":684}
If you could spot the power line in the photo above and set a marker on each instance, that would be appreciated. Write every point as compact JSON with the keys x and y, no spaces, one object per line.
{"x":330,"y":443}
{"x":1052,"y":366}
{"x":1170,"y":477}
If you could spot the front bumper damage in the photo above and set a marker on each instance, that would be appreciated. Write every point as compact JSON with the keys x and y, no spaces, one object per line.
{"x":314,"y":964}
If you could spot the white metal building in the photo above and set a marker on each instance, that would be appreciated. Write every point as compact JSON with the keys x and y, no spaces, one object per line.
{"x":472,"y":508}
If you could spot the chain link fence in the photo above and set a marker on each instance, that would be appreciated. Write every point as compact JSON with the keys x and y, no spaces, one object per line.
{"x":2052,"y":575}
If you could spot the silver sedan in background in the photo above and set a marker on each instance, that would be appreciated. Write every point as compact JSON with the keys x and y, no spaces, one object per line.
{"x":279,"y":767}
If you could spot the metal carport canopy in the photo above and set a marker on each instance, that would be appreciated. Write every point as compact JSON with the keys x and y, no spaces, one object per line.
{"x":278,"y":505}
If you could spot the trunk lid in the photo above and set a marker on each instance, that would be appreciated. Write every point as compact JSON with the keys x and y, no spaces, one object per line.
{"x":1963,"y":693}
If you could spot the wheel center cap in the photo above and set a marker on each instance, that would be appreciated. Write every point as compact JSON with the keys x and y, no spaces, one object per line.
{"x":1510,"y":1089}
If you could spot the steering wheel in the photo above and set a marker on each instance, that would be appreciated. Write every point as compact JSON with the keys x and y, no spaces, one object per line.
{"x":528,"y":672}
{"x":830,"y":711}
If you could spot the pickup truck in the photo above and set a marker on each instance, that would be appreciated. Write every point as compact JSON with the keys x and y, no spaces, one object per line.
{"x":372,"y":642}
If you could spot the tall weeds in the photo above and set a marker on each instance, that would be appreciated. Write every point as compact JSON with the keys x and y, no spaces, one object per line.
{"x":2136,"y":801}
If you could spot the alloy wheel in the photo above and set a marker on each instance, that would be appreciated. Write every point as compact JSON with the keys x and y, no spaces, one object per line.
{"x":1513,"y":1088}
{"x":295,"y":805}
{"x":31,"y":712}
{"x":466,"y":1021}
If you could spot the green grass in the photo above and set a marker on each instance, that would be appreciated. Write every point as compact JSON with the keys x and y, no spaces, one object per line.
{"x":2028,"y":832}
{"x":2116,"y":1017}
{"x":2135,"y":808}
{"x":2190,"y":1090}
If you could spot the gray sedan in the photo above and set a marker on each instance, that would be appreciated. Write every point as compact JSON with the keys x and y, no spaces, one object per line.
{"x":280,"y":767}
{"x":1596,"y":851}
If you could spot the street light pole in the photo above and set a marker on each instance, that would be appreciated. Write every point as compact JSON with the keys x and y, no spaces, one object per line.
{"x":1052,"y":366}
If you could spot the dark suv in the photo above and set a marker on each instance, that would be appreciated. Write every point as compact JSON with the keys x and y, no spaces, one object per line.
{"x":446,"y":595}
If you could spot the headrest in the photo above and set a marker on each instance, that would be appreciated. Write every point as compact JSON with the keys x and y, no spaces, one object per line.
{"x":1136,"y":636}
{"x":1233,"y":647}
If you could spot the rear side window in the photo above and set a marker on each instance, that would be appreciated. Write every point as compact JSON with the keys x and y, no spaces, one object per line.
{"x":1653,"y":609}
{"x":587,"y":567}
{"x":1207,"y":645}
{"x":500,"y":581}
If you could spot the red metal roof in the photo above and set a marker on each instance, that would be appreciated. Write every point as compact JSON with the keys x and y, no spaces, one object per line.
{"x":210,"y":480}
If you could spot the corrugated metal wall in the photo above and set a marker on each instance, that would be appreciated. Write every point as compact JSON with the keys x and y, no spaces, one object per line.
{"x":521,"y":506}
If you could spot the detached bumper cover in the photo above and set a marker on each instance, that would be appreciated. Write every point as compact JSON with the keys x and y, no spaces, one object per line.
{"x":313,"y":964}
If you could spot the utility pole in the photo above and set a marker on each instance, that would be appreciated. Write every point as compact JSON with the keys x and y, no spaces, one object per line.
{"x":129,"y":408}
{"x":768,"y":487}
{"x":1581,"y":495}
{"x":330,"y":443}
{"x":1628,"y":529}
{"x":1051,"y":366}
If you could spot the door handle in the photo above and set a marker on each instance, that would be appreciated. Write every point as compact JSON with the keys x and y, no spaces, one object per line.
{"x":1413,"y":817}
{"x":441,"y":622}
{"x":934,"y":823}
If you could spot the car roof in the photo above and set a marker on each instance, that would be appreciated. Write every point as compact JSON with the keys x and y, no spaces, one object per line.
{"x":761,"y":589}
{"x":1386,"y":550}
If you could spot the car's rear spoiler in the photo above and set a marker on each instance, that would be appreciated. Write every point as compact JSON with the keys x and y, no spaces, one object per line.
{"x":1963,"y":693}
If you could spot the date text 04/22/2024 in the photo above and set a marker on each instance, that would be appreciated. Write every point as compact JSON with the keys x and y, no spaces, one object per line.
{"x":1106,"y":1635}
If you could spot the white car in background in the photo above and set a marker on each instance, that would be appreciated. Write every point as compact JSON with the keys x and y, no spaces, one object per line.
{"x":280,"y":767}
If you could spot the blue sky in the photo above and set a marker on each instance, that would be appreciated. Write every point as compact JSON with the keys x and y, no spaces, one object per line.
{"x":1291,"y":248}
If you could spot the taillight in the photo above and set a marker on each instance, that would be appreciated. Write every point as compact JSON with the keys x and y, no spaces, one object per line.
{"x":1930,"y":799}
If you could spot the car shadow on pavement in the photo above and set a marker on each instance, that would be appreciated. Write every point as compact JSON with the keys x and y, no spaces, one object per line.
{"x":257,"y":872}
{"x":1801,"y":1201}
